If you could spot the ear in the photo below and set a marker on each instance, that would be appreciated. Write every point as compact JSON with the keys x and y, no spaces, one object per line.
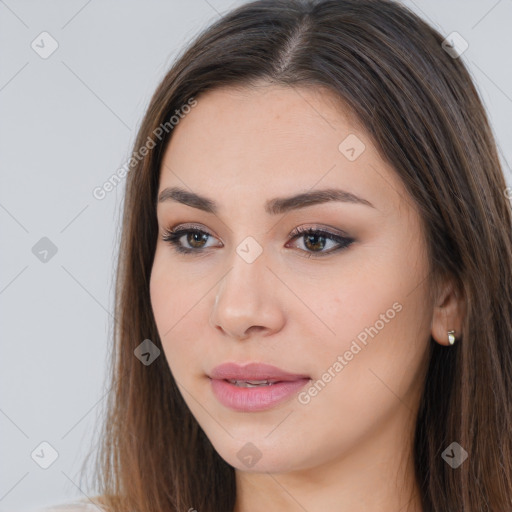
{"x":448,"y":313}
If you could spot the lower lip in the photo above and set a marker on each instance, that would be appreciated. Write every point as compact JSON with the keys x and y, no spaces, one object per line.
{"x":254,"y":399}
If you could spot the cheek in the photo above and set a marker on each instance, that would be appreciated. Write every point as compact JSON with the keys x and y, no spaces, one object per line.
{"x":171,"y":291}
{"x":379,"y":325}
{"x":351,"y":297}
{"x":176,"y":303}
{"x":167,"y":302}
{"x":161,"y":295}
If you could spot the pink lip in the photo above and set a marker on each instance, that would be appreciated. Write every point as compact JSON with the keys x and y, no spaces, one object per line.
{"x":256,"y":398}
{"x":253,"y":371}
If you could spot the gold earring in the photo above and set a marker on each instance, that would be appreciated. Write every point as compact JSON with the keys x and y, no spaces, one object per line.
{"x":451,"y":337}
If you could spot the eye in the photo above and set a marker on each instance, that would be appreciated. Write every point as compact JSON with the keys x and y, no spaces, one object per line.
{"x":314,"y":240}
{"x":193,"y":236}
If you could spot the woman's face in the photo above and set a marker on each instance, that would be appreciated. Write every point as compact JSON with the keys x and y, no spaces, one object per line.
{"x":343,"y":315}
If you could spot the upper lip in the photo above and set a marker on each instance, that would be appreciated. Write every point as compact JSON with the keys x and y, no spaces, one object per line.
{"x":253,"y":371}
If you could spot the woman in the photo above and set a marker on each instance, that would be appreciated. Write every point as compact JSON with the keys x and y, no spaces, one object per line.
{"x":313,"y":293}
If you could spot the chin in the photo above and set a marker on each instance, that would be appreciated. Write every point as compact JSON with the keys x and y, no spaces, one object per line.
{"x":258,"y":453}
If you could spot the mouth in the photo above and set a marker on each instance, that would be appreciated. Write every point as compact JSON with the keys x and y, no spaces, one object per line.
{"x":254,"y":387}
{"x":257,"y":373}
{"x":251,"y":383}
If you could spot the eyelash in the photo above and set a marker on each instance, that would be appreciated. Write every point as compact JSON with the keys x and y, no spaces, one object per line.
{"x":173,"y":236}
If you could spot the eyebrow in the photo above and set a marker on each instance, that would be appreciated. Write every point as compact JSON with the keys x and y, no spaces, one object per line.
{"x":274,"y":206}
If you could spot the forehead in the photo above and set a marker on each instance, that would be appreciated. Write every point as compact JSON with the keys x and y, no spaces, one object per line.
{"x":282,"y":119}
{"x":280,"y":138}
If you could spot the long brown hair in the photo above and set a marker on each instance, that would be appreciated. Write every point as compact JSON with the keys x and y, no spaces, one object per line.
{"x":423,"y":113}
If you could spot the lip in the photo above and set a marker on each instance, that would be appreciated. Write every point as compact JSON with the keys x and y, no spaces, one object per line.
{"x":253,"y":371}
{"x":253,"y":399}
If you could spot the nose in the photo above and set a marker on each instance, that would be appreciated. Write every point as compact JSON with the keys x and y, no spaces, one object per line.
{"x":246,"y":303}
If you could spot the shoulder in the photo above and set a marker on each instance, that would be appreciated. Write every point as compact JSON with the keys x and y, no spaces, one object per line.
{"x":78,"y":505}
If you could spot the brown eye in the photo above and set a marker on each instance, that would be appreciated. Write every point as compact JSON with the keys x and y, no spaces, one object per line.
{"x":195,"y":238}
{"x":315,"y":241}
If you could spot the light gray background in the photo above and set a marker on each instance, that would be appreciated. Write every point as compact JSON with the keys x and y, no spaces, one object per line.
{"x":67,"y":123}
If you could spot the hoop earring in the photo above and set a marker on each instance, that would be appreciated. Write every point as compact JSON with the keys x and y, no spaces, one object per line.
{"x":451,"y":337}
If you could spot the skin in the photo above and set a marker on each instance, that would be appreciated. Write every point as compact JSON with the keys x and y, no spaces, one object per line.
{"x":241,"y":147}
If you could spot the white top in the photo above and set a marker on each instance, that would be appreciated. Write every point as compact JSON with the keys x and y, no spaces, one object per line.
{"x":78,"y":505}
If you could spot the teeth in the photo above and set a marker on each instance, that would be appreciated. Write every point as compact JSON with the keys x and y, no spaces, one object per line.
{"x":250,"y":383}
